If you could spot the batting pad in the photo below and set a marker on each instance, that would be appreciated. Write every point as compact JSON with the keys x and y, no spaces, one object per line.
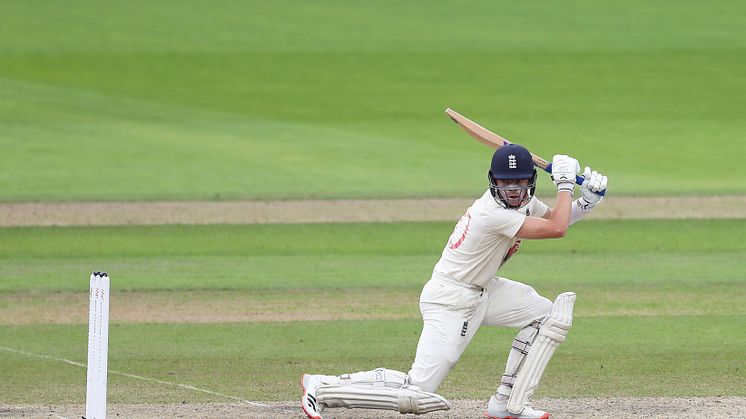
{"x":386,"y":389}
{"x":552,"y":332}
{"x":405,"y":400}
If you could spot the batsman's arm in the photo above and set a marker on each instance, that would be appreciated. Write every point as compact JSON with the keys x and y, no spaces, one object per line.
{"x":555,"y":225}
{"x":493,"y":140}
{"x":552,"y":227}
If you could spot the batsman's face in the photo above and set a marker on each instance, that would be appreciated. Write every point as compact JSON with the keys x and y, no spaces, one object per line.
{"x":515,"y":191}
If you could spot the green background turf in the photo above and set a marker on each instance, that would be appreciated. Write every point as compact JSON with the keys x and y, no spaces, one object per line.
{"x":657,"y":301}
{"x":229,"y":100}
{"x":399,"y":255}
{"x":659,"y":356}
{"x":226,"y":100}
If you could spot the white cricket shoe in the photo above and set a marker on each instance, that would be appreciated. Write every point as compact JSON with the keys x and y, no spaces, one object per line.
{"x":311,"y":407}
{"x":498,"y":409}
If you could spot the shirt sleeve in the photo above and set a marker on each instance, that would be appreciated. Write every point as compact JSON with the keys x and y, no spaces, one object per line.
{"x":506,"y":222}
{"x":537,"y":207}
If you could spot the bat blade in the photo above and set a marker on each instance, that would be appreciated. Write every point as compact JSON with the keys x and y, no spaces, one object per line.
{"x":477,"y":131}
{"x":486,"y":136}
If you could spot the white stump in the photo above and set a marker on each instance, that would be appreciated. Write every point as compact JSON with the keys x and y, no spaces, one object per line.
{"x":98,"y":345}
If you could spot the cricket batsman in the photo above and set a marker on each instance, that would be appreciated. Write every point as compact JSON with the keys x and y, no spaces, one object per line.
{"x":464,"y":293}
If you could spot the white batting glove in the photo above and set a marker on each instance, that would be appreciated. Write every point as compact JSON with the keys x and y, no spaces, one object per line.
{"x":564,"y":169}
{"x":594,"y":182}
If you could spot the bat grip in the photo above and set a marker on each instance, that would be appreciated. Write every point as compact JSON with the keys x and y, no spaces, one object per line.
{"x":578,"y":179}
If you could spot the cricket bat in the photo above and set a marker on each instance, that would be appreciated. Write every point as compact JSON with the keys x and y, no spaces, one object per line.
{"x":493,"y":140}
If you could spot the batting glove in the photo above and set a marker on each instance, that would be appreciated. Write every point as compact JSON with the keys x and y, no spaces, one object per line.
{"x":594,"y":182}
{"x":564,"y":169}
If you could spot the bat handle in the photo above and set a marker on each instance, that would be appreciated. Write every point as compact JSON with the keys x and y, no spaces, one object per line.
{"x":578,"y":179}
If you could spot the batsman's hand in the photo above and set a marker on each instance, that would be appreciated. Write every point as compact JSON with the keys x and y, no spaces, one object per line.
{"x":594,"y":182}
{"x":564,"y":169}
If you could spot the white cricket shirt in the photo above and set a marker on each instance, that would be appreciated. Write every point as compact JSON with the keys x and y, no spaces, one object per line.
{"x":481,"y":239}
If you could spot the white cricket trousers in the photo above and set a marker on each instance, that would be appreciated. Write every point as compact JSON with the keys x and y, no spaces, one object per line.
{"x":452,"y":311}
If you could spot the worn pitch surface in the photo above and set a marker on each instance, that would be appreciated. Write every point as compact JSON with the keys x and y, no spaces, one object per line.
{"x":580,"y":408}
{"x":335,"y":210}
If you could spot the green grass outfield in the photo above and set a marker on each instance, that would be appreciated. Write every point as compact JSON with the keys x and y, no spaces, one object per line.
{"x":280,"y":99}
{"x":260,"y":99}
{"x":660,"y":310}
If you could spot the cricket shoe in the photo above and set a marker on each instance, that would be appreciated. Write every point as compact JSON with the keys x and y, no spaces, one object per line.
{"x":311,"y":407}
{"x":498,"y":409}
